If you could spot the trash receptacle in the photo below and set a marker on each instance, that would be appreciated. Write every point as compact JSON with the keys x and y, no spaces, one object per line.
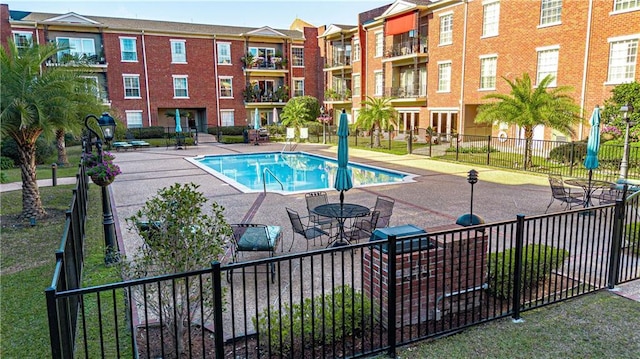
{"x":403,"y":246}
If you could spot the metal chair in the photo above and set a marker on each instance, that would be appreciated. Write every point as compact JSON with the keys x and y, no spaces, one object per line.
{"x":250,"y":237}
{"x":609,"y":195}
{"x":308,"y":231}
{"x":384,"y":205}
{"x":364,"y":227}
{"x":563,"y":194}
{"x":315,"y":199}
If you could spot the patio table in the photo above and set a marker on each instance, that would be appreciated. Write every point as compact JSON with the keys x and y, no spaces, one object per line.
{"x":341,"y":212}
{"x":589,"y":187}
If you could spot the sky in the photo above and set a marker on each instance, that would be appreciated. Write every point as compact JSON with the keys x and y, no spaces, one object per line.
{"x":278,"y":14}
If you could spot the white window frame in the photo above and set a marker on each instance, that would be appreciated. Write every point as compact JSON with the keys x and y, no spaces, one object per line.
{"x":488,"y":72}
{"x":444,"y":76}
{"x":547,"y":64}
{"x":28,"y":39}
{"x":87,"y":46}
{"x":297,"y":61}
{"x":97,"y":84}
{"x":227,"y":79}
{"x":446,"y":29}
{"x":378,"y":83}
{"x":177,"y":86}
{"x":298,"y":87}
{"x":623,"y":59}
{"x":123,"y":51}
{"x":176,"y":56}
{"x":490,"y":18}
{"x":132,"y":117}
{"x":224,"y":118}
{"x":356,"y":85}
{"x":355,"y":54}
{"x":224,"y":53}
{"x":550,"y":12}
{"x":620,"y":6}
{"x":379,"y":43}
{"x":126,"y":77}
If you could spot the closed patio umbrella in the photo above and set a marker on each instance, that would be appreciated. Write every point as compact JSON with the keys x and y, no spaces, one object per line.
{"x":275,"y":116}
{"x":343,"y":176}
{"x":256,"y":120}
{"x":178,"y":127}
{"x":593,"y":147}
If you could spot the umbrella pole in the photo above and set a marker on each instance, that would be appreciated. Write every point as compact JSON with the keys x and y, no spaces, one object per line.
{"x":341,"y":198}
{"x":588,"y":199}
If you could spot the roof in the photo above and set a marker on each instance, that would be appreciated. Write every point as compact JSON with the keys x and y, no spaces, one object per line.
{"x":115,"y":24}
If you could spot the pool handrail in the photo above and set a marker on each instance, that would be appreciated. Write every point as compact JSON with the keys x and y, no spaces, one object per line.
{"x":264,"y":180}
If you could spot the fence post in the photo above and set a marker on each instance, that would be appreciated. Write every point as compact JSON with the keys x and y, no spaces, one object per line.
{"x":517,"y":280}
{"x":357,"y":132}
{"x":571,"y":157}
{"x":457,"y":150}
{"x":391,"y":300}
{"x":488,"y":149}
{"x":614,"y":256}
{"x":54,"y":328}
{"x":217,"y":309}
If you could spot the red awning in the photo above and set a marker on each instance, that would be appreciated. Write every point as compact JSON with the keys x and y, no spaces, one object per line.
{"x":401,"y":24}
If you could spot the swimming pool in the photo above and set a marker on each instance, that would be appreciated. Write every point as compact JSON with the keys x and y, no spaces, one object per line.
{"x":296,"y":171}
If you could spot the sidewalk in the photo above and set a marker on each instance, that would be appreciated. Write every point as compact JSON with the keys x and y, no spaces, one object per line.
{"x":16,"y":186}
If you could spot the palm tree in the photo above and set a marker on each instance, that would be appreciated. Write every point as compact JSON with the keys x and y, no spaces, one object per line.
{"x":377,"y":114}
{"x":528,"y":107}
{"x":36,"y":101}
{"x":294,"y":114}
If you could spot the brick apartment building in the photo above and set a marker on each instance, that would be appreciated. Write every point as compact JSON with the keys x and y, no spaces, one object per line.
{"x":436,"y":59}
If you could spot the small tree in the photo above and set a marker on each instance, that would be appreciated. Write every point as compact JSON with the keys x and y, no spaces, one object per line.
{"x":179,"y":237}
{"x":377,"y":114}
{"x":623,"y":94}
{"x":294,"y":114}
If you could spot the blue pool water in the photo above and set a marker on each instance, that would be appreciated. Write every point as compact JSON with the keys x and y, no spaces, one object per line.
{"x":297,"y":171}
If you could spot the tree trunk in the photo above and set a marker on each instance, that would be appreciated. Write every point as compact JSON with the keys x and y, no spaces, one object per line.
{"x":62,"y":149}
{"x":31,"y":202}
{"x":376,"y":136}
{"x":528,"y":149}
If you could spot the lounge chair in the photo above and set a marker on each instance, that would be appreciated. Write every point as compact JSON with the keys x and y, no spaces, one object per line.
{"x":249,"y":237}
{"x":119,"y":145}
{"x":563,"y":194}
{"x":136,"y":143}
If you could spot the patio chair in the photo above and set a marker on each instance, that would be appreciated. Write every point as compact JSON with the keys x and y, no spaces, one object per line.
{"x":308,"y":231}
{"x":384,"y":205}
{"x":250,"y":237}
{"x":563,"y":194}
{"x":364,"y":227}
{"x":609,"y":195}
{"x":315,"y":199}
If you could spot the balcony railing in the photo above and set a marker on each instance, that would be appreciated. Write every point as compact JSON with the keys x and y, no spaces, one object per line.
{"x":339,"y":61}
{"x":411,"y":91}
{"x":405,"y":48}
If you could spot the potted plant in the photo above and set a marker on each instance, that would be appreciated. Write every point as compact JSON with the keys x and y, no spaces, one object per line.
{"x":104,"y":172}
{"x":247,"y":60}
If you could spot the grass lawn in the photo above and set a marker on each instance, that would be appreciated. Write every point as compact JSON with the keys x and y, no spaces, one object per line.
{"x":597,"y":325}
{"x":44,"y":171}
{"x":27,"y":259}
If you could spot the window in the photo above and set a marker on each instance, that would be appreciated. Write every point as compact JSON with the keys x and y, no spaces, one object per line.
{"x":178,"y":51}
{"x":92,"y":85}
{"x":76,"y":48}
{"x":134,"y":119}
{"x":265,"y":55}
{"x":298,"y":56}
{"x":620,"y":5}
{"x":622,"y":60}
{"x":226,"y":87}
{"x":488,"y":65}
{"x":422,"y":84}
{"x":298,"y":87}
{"x":446,"y":29}
{"x":131,"y":86}
{"x":180,"y":87}
{"x":550,"y":12}
{"x":128,"y":49}
{"x":548,"y":64}
{"x":379,"y":44}
{"x":356,"y":85}
{"x":356,"y":50}
{"x":23,"y":40}
{"x":377,"y":83}
{"x":491,"y":19}
{"x":224,"y":53}
{"x":444,"y":77}
{"x":226,"y":118}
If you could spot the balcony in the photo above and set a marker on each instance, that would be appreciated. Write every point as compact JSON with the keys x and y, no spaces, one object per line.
{"x":84,"y":60}
{"x":338,"y":63}
{"x":406,"y":50}
{"x":337,"y":97}
{"x":410,"y":92}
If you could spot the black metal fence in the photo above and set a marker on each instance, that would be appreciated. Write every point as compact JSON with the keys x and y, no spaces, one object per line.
{"x":356,"y":300}
{"x":67,"y":275}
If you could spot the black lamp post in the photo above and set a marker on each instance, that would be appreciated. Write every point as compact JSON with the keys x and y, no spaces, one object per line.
{"x":626,"y":110}
{"x":470,"y":219}
{"x":324,"y":125}
{"x":107,"y":126}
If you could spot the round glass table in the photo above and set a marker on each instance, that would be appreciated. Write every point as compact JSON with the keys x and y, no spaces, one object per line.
{"x":341,"y":212}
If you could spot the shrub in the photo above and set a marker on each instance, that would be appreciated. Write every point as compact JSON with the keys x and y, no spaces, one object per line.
{"x":227,"y":130}
{"x":482,"y":149}
{"x":564,"y":152}
{"x":3,"y":177}
{"x":537,"y":263}
{"x":6,"y":163}
{"x":322,"y":320}
{"x":632,"y":236}
{"x":44,"y":149}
